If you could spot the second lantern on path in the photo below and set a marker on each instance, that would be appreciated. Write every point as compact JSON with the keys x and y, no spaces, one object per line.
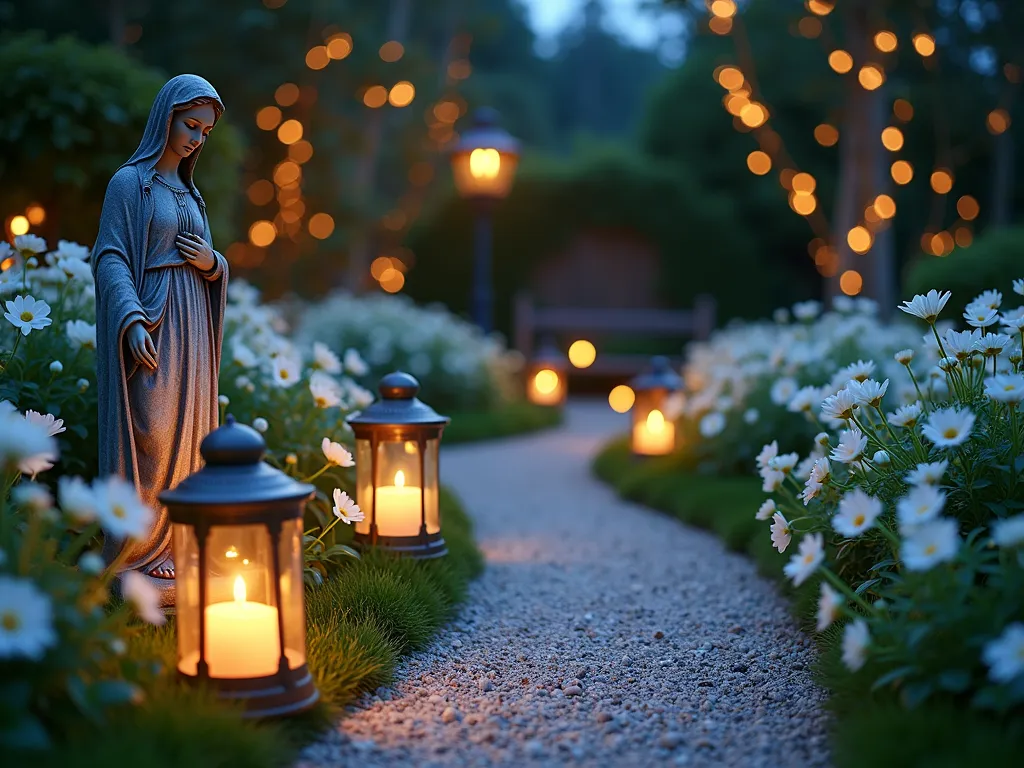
{"x":654,"y":429}
{"x":397,"y":444}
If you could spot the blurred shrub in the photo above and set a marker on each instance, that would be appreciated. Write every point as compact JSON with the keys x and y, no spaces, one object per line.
{"x":996,"y":258}
{"x":73,"y":113}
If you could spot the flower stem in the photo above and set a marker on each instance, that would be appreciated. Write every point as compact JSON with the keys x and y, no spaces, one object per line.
{"x":913,"y":378}
{"x":843,"y":587}
{"x":319,"y":472}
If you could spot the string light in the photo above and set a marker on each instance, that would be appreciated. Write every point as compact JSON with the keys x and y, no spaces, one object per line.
{"x":850,"y":282}
{"x":723,"y":9}
{"x":924,"y":44}
{"x":729,"y":78}
{"x":339,"y":46}
{"x":268,"y":118}
{"x":884,"y":206}
{"x":375,"y":96}
{"x":871,"y":76}
{"x":859,"y":239}
{"x":262,"y":233}
{"x":759,"y":162}
{"x":968,"y":208}
{"x":997,"y":121}
{"x":321,"y":225}
{"x":35,"y":214}
{"x":289,"y":132}
{"x":317,"y":57}
{"x":391,"y":51}
{"x":809,"y":27}
{"x":753,"y":115}
{"x":903,"y":110}
{"x":885,"y":41}
{"x":820,"y":7}
{"x":826,"y":135}
{"x":402,"y":94}
{"x":942,"y":181}
{"x":720,"y":25}
{"x":260,"y":192}
{"x":286,"y":94}
{"x":19,"y":225}
{"x":963,"y":236}
{"x":840,"y":61}
{"x":902,"y":172}
{"x":892,"y":139}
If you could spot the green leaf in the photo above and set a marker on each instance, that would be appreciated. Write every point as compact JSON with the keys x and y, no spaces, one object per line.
{"x":114,"y":692}
{"x":892,"y":676}
{"x":915,"y":694}
{"x":867,"y":585}
{"x":341,"y":549}
{"x":955,"y":680}
{"x":26,"y":733}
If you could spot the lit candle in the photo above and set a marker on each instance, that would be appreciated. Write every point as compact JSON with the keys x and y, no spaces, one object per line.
{"x":655,"y":436}
{"x":546,"y":387}
{"x":241,"y":638}
{"x":398,"y":508}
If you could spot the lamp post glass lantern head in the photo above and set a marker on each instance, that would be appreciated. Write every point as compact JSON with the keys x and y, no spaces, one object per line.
{"x":547,"y":376}
{"x":397,"y":443}
{"x":654,"y":429}
{"x":484,"y":159}
{"x":237,"y":537}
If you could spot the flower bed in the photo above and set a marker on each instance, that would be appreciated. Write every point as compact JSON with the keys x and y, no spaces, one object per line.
{"x":909,"y":527}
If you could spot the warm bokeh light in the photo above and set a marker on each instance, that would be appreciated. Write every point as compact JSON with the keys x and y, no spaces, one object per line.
{"x":942,"y":181}
{"x":786,"y":178}
{"x":286,"y":94}
{"x":735,"y":103}
{"x":287,"y":173}
{"x":375,"y":96}
{"x":582,"y":353}
{"x":378,"y":265}
{"x":446,"y":111}
{"x":459,"y":69}
{"x":941,"y":244}
{"x":840,"y":61}
{"x":968,"y":208}
{"x":262,"y":233}
{"x":545,"y":381}
{"x":871,"y":76}
{"x":730,"y":78}
{"x":803,"y":182}
{"x":902,"y":172}
{"x":723,"y":9}
{"x":317,"y":57}
{"x":301,"y":151}
{"x":758,"y":162}
{"x":809,"y":27}
{"x":924,"y":44}
{"x":850,"y":282}
{"x":885,"y":41}
{"x":402,"y":94}
{"x":892,"y":138}
{"x":321,"y":225}
{"x":820,"y":7}
{"x":19,"y":225}
{"x":753,"y":115}
{"x":35,"y":214}
{"x":391,"y":51}
{"x":621,"y":398}
{"x":963,"y":236}
{"x":260,"y":192}
{"x":289,"y":131}
{"x":719,"y":25}
{"x":803,"y":203}
{"x":859,"y":239}
{"x":339,"y":46}
{"x":826,"y":135}
{"x":392,"y":280}
{"x":903,"y":110}
{"x":885,"y":207}
{"x":268,"y":118}
{"x":997,"y":121}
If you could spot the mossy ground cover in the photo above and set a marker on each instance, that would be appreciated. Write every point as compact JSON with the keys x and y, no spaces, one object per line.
{"x":358,"y":625}
{"x":514,"y":418}
{"x":872,"y":729}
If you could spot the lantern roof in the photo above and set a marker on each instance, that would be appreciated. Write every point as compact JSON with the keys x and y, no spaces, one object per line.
{"x":659,"y":376}
{"x":398,"y":404}
{"x":235,"y":472}
{"x":486,"y":133}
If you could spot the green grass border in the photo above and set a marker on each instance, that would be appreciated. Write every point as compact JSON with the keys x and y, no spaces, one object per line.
{"x":358,"y":626}
{"x":515,"y":418}
{"x":871,"y":729}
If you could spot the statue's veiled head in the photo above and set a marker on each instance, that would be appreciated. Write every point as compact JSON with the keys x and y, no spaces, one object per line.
{"x":183,"y":114}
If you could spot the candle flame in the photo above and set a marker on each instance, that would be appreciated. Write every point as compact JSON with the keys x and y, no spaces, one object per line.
{"x":484,"y":163}
{"x":655,"y":422}
{"x":399,"y":479}
{"x":231,"y":553}
{"x":239,"y":589}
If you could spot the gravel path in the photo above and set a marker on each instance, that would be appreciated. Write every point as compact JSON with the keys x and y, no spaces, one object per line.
{"x":600,"y":634}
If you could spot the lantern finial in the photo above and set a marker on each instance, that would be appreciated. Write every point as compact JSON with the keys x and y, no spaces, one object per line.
{"x":233,"y":444}
{"x":398,"y":386}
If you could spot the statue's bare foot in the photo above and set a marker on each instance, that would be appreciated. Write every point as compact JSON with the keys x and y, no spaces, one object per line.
{"x":162,"y":570}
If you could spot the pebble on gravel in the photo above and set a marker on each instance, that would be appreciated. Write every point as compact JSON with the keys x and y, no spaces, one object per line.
{"x":449,"y":715}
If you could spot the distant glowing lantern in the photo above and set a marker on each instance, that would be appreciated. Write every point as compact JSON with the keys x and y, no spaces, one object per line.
{"x":654,"y":429}
{"x":397,"y":441}
{"x":237,"y":528}
{"x":547,"y":377}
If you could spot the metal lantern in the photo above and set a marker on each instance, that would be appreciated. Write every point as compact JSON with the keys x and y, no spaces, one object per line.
{"x":654,"y":429}
{"x":484,"y":159}
{"x":397,"y":442}
{"x":237,"y":528}
{"x":547,"y":377}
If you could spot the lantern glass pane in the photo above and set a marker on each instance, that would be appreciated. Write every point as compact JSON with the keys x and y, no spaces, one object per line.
{"x":364,"y":484}
{"x":242,"y":634}
{"x":292,"y":593}
{"x":430,"y":477}
{"x":488,"y":174}
{"x":399,"y":510}
{"x":654,"y":433}
{"x":186,"y":587}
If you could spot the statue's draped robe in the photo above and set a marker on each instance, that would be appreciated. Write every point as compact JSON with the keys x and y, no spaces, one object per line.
{"x":152,"y":422}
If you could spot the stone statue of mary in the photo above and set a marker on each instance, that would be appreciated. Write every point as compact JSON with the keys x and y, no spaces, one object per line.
{"x":161,"y":290}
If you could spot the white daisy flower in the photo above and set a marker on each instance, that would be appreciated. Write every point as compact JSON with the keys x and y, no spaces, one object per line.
{"x":805,"y":400}
{"x":56,"y":367}
{"x":26,"y":620}
{"x":806,"y":310}
{"x":28,"y":314}
{"x":223,"y":400}
{"x":287,"y":371}
{"x":68,"y":249}
{"x":857,"y":513}
{"x":859,"y":371}
{"x":260,"y":424}
{"x":881,"y":458}
{"x":50,"y":423}
{"x":856,"y":640}
{"x":803,"y":470}
{"x":325,"y":390}
{"x":990,"y":299}
{"x":243,"y":355}
{"x":930,"y":543}
{"x":768,"y":452}
{"x":927,"y":306}
{"x":906,"y":416}
{"x":852,"y":444}
{"x":869,"y":392}
{"x":77,"y":499}
{"x":25,"y":444}
{"x":948,"y":427}
{"x":92,"y":563}
{"x":355,"y":364}
{"x":1018,"y":287}
{"x":29,"y":245}
{"x":1008,"y":532}
{"x":960,"y":344}
{"x":75,"y":269}
{"x":1005,"y":655}
{"x":923,"y":503}
{"x":781,"y":532}
{"x":1013,"y":322}
{"x":120,"y":511}
{"x":336,"y":453}
{"x":904,"y":356}
{"x":843,"y":304}
{"x":144,"y":597}
{"x":927,"y":474}
{"x":32,"y":496}
{"x":1005,"y":387}
{"x":783,"y":390}
{"x":829,"y":604}
{"x":772,"y":480}
{"x":325,"y":359}
{"x":993,"y":344}
{"x":345,"y":509}
{"x":751,"y":415}
{"x":81,"y":334}
{"x":768,"y":509}
{"x":808,"y":558}
{"x":980,"y":316}
{"x":784,"y":463}
{"x":821,"y":474}
{"x":711,"y":424}
{"x":821,"y":440}
{"x":839,"y":406}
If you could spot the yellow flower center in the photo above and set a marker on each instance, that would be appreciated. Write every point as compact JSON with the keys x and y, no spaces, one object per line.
{"x":284,"y":373}
{"x":930,"y":549}
{"x":27,"y":316}
{"x":808,"y":558}
{"x":858,"y":521}
{"x":950,"y":433}
{"x":119,"y":512}
{"x":10,"y":621}
{"x":321,"y":402}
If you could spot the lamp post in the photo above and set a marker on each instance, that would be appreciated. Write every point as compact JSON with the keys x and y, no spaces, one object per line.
{"x":654,"y":430}
{"x":483,"y":165}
